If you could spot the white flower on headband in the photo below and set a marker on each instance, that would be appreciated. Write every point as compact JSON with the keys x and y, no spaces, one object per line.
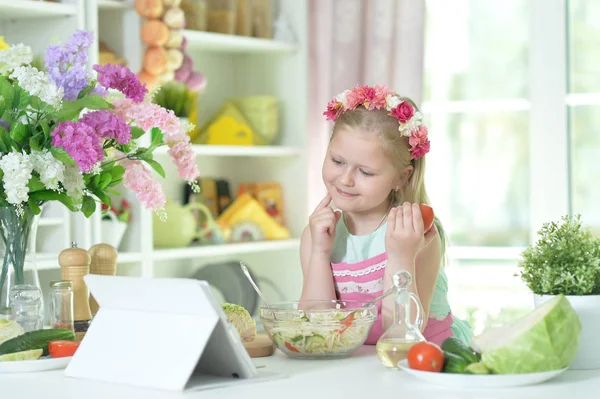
{"x":380,"y":97}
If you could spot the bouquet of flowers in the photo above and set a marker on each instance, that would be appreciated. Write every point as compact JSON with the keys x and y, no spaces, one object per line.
{"x":68,"y":134}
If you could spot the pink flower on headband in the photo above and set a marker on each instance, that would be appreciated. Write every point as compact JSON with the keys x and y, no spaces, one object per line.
{"x":380,"y":97}
{"x":419,"y":142}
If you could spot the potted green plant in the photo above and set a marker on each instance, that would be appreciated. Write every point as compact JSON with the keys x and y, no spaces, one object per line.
{"x":177,"y":97}
{"x":566,"y":260}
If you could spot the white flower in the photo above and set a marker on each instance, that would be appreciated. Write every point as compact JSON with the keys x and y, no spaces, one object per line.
{"x":74,"y":184}
{"x":392,"y":101}
{"x":50,"y":169}
{"x":14,"y":57}
{"x":37,"y":84}
{"x":342,"y":98}
{"x":17,"y":170}
{"x":411,"y":125}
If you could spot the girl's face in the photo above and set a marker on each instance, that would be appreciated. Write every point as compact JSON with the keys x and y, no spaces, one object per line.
{"x":357,"y":173}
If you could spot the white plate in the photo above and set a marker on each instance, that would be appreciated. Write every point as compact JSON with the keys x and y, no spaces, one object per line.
{"x":482,"y":380}
{"x":29,"y":366}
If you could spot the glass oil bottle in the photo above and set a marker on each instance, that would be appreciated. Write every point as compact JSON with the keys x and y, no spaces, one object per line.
{"x":396,"y":341}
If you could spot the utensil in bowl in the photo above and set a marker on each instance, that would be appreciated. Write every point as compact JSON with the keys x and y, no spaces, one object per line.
{"x":249,"y":277}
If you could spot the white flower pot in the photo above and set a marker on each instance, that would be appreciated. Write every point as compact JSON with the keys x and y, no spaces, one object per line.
{"x":587,"y":308}
{"x":112,"y":231}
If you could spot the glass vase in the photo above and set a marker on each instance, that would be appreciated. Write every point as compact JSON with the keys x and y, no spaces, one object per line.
{"x":17,"y":251}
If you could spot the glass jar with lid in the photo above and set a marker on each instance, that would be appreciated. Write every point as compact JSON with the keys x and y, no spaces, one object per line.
{"x":61,"y":304}
{"x":26,"y":304}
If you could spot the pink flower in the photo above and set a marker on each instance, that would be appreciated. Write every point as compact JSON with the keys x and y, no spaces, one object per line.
{"x":334,"y":109}
{"x":80,"y":142}
{"x":403,"y":112}
{"x":419,"y":142}
{"x":355,"y":97}
{"x":381,"y":93}
{"x":149,"y":115}
{"x":369,"y":94}
{"x":140,"y":180}
{"x":119,"y":77}
{"x":185,"y":159}
{"x":108,"y":125}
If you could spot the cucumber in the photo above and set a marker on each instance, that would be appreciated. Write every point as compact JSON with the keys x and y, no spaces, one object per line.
{"x":454,"y":364}
{"x":477,"y":368}
{"x":315,"y":342}
{"x":457,"y":347}
{"x":37,"y":339}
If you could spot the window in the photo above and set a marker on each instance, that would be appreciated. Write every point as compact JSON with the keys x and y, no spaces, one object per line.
{"x":512,"y":101}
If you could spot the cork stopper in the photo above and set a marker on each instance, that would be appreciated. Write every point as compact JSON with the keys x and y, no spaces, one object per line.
{"x":74,"y":264}
{"x":74,"y":256}
{"x":104,"y":262}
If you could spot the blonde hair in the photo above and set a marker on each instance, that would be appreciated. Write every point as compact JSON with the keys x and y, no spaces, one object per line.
{"x":396,"y":147}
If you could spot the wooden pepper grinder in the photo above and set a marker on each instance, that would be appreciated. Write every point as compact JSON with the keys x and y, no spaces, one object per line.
{"x":74,"y":264}
{"x":103,"y":261}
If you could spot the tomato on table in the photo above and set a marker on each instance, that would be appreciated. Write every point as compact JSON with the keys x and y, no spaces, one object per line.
{"x":62,"y":348}
{"x":426,"y":356}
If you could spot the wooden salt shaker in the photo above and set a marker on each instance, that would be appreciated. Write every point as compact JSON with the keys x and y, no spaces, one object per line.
{"x":103,"y":261}
{"x":74,"y":264}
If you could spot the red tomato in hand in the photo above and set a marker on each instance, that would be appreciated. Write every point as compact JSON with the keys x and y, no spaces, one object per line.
{"x":427,"y":213}
{"x":62,"y":348}
{"x":426,"y":356}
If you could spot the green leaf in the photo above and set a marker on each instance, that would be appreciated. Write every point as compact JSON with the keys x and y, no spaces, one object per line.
{"x":21,"y":98}
{"x":136,"y":132}
{"x":45,"y":128}
{"x":89,"y":206}
{"x":49,"y":195}
{"x":104,"y":181}
{"x":3,"y":136}
{"x":102,"y":196}
{"x":96,"y":180}
{"x":113,"y":192}
{"x":34,"y":206}
{"x":35,"y":184}
{"x":156,"y":166}
{"x":62,"y":156}
{"x":34,"y":143}
{"x":71,"y":109}
{"x":116,"y":171}
{"x":157,"y":138}
{"x":19,"y":133}
{"x":7,"y":95}
{"x":88,"y":89}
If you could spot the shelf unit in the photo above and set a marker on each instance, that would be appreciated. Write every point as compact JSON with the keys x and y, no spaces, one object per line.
{"x":241,"y":151}
{"x":234,"y":66}
{"x":16,"y":10}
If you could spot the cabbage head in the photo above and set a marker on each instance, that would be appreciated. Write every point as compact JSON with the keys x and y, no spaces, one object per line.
{"x":241,"y":320}
{"x":545,"y":339}
{"x":9,"y":329}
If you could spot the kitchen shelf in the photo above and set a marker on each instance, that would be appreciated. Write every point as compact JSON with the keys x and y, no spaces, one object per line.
{"x":202,"y":251}
{"x":49,"y":261}
{"x":240,"y":151}
{"x":219,"y":42}
{"x":113,"y":5}
{"x":23,"y":9}
{"x":44,"y":221}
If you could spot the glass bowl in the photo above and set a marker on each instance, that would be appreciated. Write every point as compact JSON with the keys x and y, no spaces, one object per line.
{"x":318,"y":329}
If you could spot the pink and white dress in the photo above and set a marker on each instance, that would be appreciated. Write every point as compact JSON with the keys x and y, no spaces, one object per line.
{"x":358,"y":264}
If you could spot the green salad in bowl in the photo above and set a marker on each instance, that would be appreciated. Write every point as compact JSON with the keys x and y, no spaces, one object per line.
{"x":318,"y":329}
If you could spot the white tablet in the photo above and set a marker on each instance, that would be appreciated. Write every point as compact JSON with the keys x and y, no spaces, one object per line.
{"x":159,"y":333}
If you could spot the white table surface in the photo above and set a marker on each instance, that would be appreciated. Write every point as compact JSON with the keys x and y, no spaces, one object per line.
{"x":359,"y":376}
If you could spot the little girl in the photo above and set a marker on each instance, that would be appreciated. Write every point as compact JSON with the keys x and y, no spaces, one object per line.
{"x":374,"y":175}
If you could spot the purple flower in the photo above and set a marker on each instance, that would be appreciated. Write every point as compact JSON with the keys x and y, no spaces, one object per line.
{"x":4,"y":124}
{"x":66,"y":64}
{"x":108,"y":125}
{"x":122,"y":79}
{"x":80,"y":142}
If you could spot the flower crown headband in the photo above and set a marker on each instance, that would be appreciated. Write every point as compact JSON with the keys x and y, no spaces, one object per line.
{"x":380,"y":97}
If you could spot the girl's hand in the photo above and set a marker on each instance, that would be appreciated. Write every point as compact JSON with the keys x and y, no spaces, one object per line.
{"x":322,"y":224}
{"x":405,"y":235}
